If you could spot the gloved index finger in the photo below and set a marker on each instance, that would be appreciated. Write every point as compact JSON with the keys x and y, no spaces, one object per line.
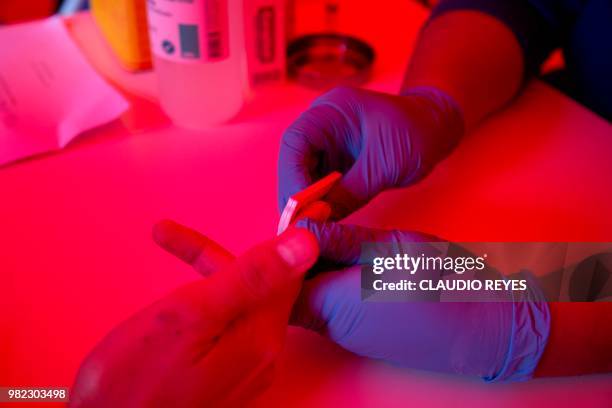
{"x":311,"y":147}
{"x":342,"y":243}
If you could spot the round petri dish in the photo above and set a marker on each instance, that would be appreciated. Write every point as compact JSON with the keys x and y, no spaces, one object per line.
{"x":322,"y":61}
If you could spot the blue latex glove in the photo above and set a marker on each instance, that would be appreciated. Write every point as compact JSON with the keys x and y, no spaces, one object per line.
{"x":378,"y":141}
{"x":497,"y":341}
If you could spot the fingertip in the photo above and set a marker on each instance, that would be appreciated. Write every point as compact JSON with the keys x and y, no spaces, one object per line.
{"x":311,"y":242}
{"x":160,"y":231}
{"x":299,"y":249}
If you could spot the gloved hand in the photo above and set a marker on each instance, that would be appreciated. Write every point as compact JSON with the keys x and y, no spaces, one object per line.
{"x":378,"y":141}
{"x":213,"y":342}
{"x":468,"y":338}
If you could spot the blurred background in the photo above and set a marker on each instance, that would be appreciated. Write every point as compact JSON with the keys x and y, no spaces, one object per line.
{"x":14,"y":11}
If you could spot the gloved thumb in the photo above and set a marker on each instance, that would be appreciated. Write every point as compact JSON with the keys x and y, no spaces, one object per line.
{"x":341,"y":243}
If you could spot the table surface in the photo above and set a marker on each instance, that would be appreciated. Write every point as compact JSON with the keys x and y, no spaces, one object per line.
{"x":76,"y":255}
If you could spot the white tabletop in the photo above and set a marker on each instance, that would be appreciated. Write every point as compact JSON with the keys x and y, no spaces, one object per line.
{"x":76,"y":255}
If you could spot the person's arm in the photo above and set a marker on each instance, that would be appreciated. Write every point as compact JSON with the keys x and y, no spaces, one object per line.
{"x":479,"y":51}
{"x":471,"y":56}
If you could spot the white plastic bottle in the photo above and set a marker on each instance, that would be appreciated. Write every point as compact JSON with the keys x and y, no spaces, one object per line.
{"x":198,"y":54}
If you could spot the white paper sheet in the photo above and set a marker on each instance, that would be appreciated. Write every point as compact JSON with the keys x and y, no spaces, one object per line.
{"x":48,"y":91}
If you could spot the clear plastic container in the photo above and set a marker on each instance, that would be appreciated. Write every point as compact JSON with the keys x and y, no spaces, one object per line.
{"x":198,"y":51}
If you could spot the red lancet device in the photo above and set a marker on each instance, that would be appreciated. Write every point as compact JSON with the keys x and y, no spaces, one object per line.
{"x":307,"y":203}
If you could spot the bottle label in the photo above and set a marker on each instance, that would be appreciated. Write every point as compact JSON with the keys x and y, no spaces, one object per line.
{"x":189,"y":30}
{"x":265,"y":41}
